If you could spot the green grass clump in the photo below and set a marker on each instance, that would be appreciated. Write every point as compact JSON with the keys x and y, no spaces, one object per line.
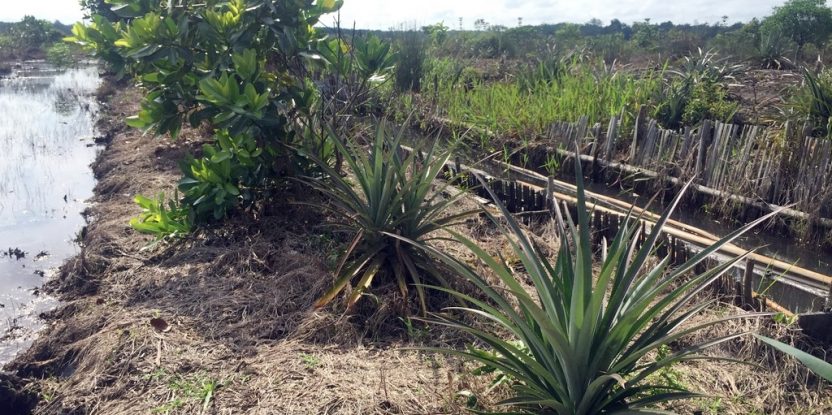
{"x":518,"y":108}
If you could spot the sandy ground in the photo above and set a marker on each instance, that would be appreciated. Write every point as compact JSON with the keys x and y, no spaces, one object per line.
{"x":222,"y":323}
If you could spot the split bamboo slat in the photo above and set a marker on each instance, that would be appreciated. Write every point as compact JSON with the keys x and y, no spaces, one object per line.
{"x":742,"y":165}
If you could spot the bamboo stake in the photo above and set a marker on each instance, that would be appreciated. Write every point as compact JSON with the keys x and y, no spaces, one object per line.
{"x":747,"y":298}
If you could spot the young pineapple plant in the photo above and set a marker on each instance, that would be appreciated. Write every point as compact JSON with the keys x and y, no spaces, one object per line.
{"x":387,"y":194}
{"x":583,"y":340}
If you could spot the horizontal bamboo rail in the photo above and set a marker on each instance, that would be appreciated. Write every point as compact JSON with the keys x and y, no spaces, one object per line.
{"x":675,"y":228}
{"x":680,"y":231}
{"x":765,"y":207}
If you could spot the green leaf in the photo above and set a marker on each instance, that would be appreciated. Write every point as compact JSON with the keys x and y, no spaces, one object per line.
{"x":136,"y":122}
{"x":231,"y":189}
{"x":220,"y":157}
{"x":820,"y":367}
{"x":246,"y":64}
{"x":329,"y":6}
{"x":213,"y":91}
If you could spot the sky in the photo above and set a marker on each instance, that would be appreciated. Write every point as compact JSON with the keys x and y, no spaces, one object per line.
{"x":378,"y":14}
{"x":67,"y":11}
{"x":383,"y":14}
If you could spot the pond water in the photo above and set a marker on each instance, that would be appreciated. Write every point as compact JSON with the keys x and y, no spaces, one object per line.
{"x":47,"y":129}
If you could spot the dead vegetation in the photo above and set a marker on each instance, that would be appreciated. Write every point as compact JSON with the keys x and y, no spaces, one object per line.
{"x":222,"y":322}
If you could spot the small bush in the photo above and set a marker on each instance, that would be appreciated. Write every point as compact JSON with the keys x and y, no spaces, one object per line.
{"x":772,"y":48}
{"x":224,"y":177}
{"x":62,"y":55}
{"x":813,"y":100}
{"x":493,"y":45}
{"x":610,"y":48}
{"x":708,"y":101}
{"x":162,"y":218}
{"x":696,"y":92}
{"x":243,"y":70}
{"x":411,"y":52}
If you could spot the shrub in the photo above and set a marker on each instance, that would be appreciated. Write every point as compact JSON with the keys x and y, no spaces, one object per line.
{"x":6,"y":47}
{"x":813,"y":100}
{"x":696,"y":92}
{"x":671,"y":101}
{"x":411,"y":51}
{"x":610,"y":48}
{"x":239,"y":66}
{"x":99,"y":37}
{"x":355,"y":74}
{"x":493,"y":45}
{"x":226,"y":174}
{"x":394,"y":195}
{"x":374,"y":58}
{"x":708,"y":101}
{"x":62,"y":55}
{"x":771,"y":50}
{"x":584,"y":335}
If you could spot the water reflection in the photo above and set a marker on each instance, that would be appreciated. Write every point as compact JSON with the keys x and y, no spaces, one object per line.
{"x":46,"y":132}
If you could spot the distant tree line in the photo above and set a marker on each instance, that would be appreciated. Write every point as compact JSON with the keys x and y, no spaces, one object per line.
{"x":797,"y":31}
{"x":33,"y":38}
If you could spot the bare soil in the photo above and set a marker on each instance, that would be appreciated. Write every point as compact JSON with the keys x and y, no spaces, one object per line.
{"x":222,"y":322}
{"x":762,"y":94}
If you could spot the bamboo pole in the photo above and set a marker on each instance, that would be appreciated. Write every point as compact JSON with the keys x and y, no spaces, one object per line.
{"x":692,"y":234}
{"x":768,"y":303}
{"x":679,"y":230}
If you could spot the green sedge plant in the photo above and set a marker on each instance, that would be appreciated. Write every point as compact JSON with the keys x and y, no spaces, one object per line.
{"x":813,"y":100}
{"x":820,"y":367}
{"x":388,"y":193}
{"x":582,"y":338}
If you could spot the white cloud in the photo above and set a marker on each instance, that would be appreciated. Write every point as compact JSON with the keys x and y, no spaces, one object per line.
{"x":67,"y":11}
